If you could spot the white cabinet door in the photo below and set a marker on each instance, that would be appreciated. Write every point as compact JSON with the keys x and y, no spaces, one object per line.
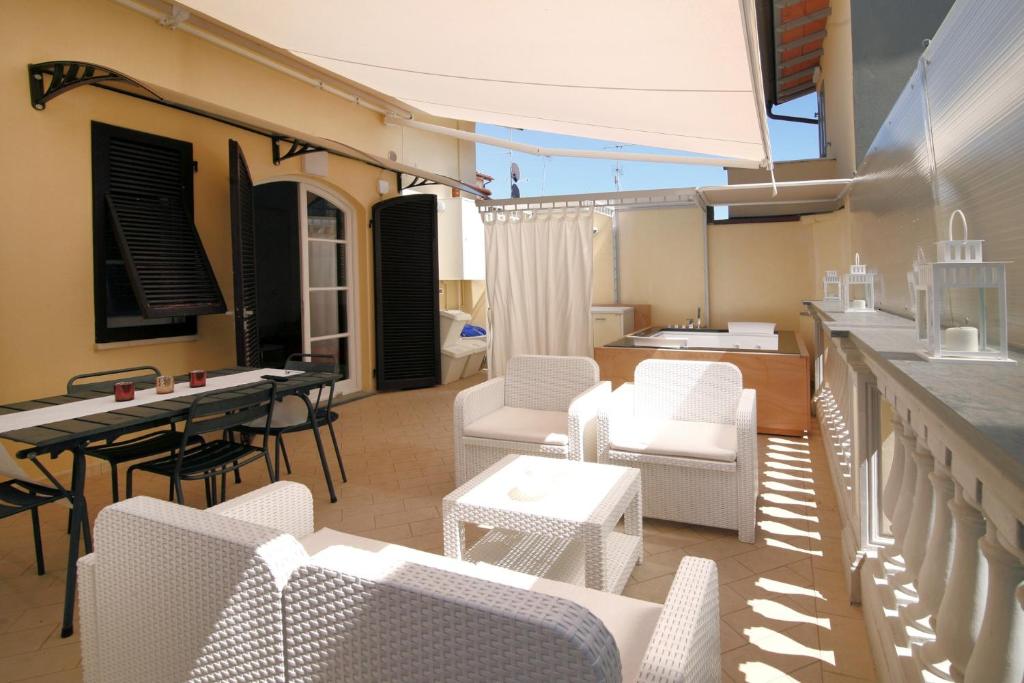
{"x":607,"y":327}
{"x":460,"y":240}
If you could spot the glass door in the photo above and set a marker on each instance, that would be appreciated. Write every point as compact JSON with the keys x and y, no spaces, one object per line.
{"x":328,"y":278}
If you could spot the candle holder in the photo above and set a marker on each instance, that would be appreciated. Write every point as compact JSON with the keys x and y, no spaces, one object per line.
{"x":197,"y":378}
{"x":858,"y":288}
{"x":165,"y":384}
{"x":963,"y":311}
{"x":918,"y":294}
{"x":832,"y":286}
{"x":124,"y":391}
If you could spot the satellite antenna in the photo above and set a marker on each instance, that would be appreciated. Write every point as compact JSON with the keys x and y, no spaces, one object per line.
{"x":514,"y":172}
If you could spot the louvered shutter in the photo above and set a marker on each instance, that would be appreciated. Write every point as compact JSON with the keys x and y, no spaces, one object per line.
{"x":163,"y":255}
{"x":243,"y":241}
{"x":406,"y":302}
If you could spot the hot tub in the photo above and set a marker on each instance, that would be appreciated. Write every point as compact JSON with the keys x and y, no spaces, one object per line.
{"x":776,"y":365}
{"x":673,"y":338}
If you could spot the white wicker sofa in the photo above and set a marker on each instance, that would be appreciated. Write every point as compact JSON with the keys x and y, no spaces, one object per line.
{"x":246,"y":591}
{"x":544,"y":405}
{"x":691,"y":429}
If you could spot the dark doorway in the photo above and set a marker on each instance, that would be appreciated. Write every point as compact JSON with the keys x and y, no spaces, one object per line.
{"x":278,"y":271}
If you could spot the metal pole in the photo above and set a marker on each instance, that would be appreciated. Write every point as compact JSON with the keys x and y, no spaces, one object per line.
{"x":616,"y":286}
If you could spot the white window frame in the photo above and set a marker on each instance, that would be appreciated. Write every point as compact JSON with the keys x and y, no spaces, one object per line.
{"x":353,"y":383}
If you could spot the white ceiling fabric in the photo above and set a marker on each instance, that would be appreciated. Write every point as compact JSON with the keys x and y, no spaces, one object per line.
{"x":672,"y":74}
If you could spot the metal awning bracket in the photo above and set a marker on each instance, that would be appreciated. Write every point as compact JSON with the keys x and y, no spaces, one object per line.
{"x":47,"y":80}
{"x":297,"y":148}
{"x":415,"y":182}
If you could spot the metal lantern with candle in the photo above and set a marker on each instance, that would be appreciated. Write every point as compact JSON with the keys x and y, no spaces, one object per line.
{"x":918,"y":295}
{"x":832,"y":286}
{"x":858,"y":288}
{"x":965,"y":302}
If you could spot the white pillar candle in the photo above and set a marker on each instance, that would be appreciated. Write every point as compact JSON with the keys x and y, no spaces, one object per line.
{"x":960,"y":339}
{"x":859,"y":304}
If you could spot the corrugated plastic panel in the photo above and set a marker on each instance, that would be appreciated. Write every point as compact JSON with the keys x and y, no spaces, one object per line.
{"x":973,"y":74}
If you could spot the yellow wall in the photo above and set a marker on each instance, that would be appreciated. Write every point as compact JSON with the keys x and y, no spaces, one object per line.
{"x":837,"y":77}
{"x":469,"y":296}
{"x":46,"y":258}
{"x":661,"y":261}
{"x":760,"y":272}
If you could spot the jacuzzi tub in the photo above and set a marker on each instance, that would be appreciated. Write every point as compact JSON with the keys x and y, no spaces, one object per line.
{"x":672,"y":338}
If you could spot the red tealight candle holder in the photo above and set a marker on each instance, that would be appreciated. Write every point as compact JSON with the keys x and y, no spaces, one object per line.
{"x":124,"y":391}
{"x":197,"y":378}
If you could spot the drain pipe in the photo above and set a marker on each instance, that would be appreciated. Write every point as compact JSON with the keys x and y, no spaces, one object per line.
{"x":707,"y":275}
{"x":791,"y":119}
{"x":616,"y":287}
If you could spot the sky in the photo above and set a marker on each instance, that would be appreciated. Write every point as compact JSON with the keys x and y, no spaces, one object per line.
{"x":569,"y":175}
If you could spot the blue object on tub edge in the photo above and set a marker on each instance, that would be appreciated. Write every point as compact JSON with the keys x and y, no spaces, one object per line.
{"x":473,"y":331}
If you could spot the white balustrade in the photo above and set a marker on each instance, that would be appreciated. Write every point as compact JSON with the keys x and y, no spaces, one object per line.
{"x":954,"y":569}
{"x":918,"y":529}
{"x":998,"y":655}
{"x":938,"y":559}
{"x":905,"y":505}
{"x":891,"y":495}
{"x":959,"y":618}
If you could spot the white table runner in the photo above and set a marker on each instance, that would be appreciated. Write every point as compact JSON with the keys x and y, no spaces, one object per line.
{"x":106,"y":404}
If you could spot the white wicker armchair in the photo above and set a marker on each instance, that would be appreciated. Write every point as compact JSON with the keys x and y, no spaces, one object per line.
{"x":544,"y":405}
{"x":245,"y":591}
{"x":690,"y":427}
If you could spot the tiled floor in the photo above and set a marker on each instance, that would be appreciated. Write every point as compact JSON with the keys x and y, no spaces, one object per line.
{"x":785,"y":610}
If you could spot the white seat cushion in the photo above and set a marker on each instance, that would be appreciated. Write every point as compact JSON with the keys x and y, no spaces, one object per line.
{"x":700,"y":440}
{"x":630,"y":621}
{"x":522,"y":424}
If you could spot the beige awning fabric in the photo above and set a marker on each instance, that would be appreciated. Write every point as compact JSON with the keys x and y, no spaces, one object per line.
{"x":672,"y":74}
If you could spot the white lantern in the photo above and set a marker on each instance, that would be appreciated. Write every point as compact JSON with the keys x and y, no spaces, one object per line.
{"x":965,"y":304}
{"x":832,"y":287}
{"x":919,"y":295}
{"x":858,"y":288}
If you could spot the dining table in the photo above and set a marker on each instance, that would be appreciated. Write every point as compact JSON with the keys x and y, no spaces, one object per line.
{"x":66,"y":423}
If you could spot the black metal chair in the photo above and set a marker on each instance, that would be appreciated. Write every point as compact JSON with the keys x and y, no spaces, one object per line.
{"x":19,"y":495}
{"x":216,"y":411}
{"x":322,"y":413}
{"x":134,"y":448}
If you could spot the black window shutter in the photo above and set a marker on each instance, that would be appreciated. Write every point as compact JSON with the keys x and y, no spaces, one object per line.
{"x":164,"y":257}
{"x":405,"y":292}
{"x":243,"y":240}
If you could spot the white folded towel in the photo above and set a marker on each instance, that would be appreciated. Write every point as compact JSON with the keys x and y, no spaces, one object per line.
{"x":752,"y":328}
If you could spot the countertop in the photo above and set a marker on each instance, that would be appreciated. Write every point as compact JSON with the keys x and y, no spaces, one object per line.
{"x":982,"y":400}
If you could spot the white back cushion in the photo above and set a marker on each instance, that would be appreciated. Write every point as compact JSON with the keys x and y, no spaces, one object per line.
{"x":351,"y":615}
{"x":695,"y":391}
{"x":181,"y":594}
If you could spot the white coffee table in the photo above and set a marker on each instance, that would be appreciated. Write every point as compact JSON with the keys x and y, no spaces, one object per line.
{"x":551,"y":517}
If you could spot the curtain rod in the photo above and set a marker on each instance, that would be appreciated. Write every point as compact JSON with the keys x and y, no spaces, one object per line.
{"x":609,"y":200}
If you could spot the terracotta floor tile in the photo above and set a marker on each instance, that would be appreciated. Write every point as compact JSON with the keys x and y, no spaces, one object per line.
{"x":729,"y":639}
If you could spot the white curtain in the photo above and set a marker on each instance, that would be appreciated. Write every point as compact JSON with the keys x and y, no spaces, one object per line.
{"x":539,"y":273}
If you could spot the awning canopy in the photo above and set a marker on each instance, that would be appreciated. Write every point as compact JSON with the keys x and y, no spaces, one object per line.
{"x":672,"y":74}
